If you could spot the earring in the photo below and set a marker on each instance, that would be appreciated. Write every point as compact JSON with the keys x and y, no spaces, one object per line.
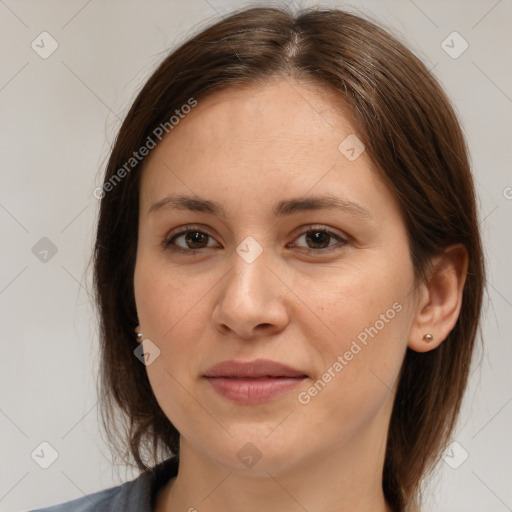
{"x":139,"y":334}
{"x":428,"y":337}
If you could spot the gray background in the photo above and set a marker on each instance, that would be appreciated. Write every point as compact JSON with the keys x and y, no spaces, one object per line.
{"x":59,"y":117}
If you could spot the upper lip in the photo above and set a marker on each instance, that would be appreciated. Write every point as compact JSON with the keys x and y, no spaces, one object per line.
{"x":254,"y":369}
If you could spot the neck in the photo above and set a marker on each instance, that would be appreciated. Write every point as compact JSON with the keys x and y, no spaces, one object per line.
{"x":347,"y":478}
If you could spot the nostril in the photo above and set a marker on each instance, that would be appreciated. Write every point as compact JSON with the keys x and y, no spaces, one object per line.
{"x":263,"y":327}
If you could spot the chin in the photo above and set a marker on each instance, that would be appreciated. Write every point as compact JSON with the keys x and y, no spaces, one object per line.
{"x":253,"y":452}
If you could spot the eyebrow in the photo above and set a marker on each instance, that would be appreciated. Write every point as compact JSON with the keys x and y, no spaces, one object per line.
{"x":281,"y":209}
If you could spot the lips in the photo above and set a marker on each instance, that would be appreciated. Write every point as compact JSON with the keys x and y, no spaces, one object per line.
{"x":253,"y":382}
{"x":252,"y":369}
{"x":253,"y":391}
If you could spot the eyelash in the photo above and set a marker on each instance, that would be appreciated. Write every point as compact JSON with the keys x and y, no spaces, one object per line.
{"x":168,"y":242}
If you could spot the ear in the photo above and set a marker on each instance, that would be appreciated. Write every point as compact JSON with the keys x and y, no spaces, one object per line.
{"x":439,"y":299}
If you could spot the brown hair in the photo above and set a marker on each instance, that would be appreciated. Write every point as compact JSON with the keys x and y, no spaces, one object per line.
{"x":412,"y":135}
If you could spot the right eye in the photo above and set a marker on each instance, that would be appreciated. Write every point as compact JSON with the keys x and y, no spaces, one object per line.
{"x":193,"y":240}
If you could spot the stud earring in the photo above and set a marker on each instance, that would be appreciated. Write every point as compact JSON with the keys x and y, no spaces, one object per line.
{"x":428,"y":337}
{"x":139,"y":334}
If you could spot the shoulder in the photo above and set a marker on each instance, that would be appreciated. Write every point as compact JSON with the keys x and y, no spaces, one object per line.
{"x":135,"y":495}
{"x":101,"y":500}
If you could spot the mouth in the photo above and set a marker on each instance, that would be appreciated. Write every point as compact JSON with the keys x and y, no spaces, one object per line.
{"x":253,"y":382}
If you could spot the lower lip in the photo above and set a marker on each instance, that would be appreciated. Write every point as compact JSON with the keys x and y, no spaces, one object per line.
{"x":253,"y":391}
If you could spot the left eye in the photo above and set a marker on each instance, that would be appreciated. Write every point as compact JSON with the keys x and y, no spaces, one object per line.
{"x":320,"y":238}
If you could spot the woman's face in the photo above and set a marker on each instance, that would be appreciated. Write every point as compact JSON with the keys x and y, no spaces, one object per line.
{"x":266,"y":274}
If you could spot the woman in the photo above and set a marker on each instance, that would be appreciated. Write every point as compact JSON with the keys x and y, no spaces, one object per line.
{"x":288,"y":270}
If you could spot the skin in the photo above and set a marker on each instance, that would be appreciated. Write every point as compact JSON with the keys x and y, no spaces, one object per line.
{"x":249,"y":148}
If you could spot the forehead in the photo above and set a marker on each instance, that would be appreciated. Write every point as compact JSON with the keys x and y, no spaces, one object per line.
{"x":278,"y":111}
{"x":270,"y":140}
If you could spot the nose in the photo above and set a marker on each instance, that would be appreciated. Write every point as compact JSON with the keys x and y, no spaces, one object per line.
{"x":251,"y":301}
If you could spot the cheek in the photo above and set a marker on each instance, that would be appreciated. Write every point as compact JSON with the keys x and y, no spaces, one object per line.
{"x":169,"y":311}
{"x":362,"y":301}
{"x":357,"y":377}
{"x":164,"y":296}
{"x":358,"y":358}
{"x":173,"y":312}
